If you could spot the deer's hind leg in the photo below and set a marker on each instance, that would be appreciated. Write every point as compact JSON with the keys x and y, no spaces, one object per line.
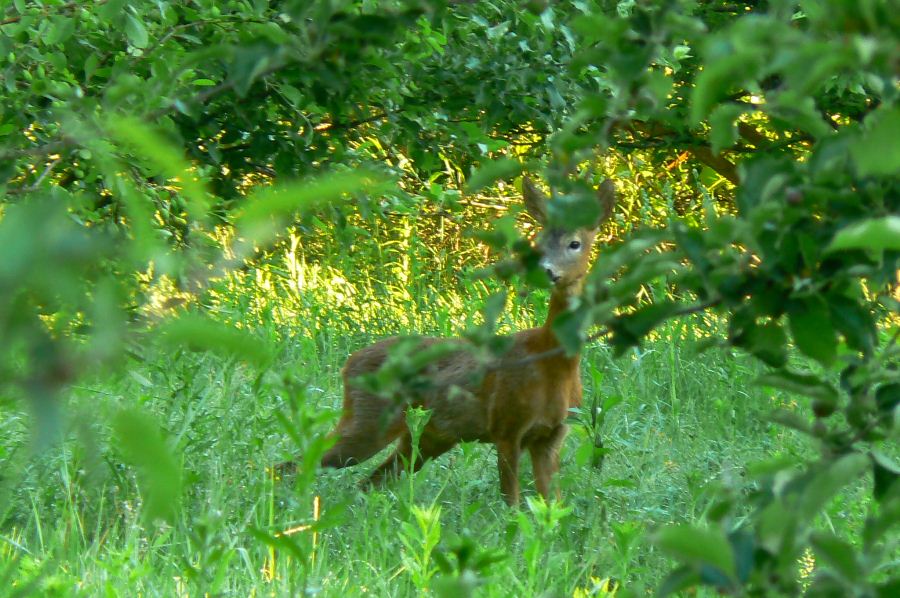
{"x":356,"y":443}
{"x":367,"y":425}
{"x":431,"y":446}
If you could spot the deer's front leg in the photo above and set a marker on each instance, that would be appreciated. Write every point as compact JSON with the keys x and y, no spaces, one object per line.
{"x":545,"y":460}
{"x":508,"y":464}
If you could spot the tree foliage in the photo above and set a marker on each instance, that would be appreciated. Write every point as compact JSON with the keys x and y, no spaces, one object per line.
{"x":137,"y":141}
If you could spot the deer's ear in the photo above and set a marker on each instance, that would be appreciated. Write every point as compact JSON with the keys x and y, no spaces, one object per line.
{"x":606,"y":195}
{"x":535,"y":200}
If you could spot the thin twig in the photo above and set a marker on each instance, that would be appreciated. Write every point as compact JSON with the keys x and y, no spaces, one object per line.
{"x":44,"y":174}
{"x":40,"y":179}
{"x":606,"y":331}
{"x":356,"y":123}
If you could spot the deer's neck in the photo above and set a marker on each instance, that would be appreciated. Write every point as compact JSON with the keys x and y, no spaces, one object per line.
{"x":559,"y":302}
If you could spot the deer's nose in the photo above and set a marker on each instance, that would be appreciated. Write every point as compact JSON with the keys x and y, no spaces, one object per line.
{"x":553,"y":276}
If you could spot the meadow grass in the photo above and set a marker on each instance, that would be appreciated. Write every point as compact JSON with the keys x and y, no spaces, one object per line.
{"x":678,"y":428}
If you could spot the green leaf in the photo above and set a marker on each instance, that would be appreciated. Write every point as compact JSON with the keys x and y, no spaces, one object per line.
{"x":111,"y":10}
{"x":887,"y":397}
{"x":270,"y":31}
{"x":889,"y":589}
{"x":420,"y":357}
{"x":744,"y":545}
{"x":139,"y":210}
{"x":488,"y":173}
{"x":837,"y":555}
{"x":877,"y":152}
{"x":854,"y":321}
{"x":767,"y":342}
{"x":798,"y":112}
{"x":282,"y":542}
{"x":135,"y":32}
{"x":59,"y":30}
{"x":571,"y":211}
{"x":570,"y":328}
{"x":825,"y":584}
{"x":255,"y":221}
{"x":145,"y":447}
{"x":164,"y":158}
{"x":830,"y":481}
{"x":698,"y":547}
{"x":493,"y":307}
{"x":804,"y":384}
{"x":503,"y":234}
{"x":723,"y":131}
{"x":776,"y":527}
{"x":90,"y":65}
{"x":771,"y":466}
{"x":646,"y":318}
{"x":717,"y":79}
{"x":876,"y":234}
{"x":812,"y":330}
{"x":790,"y":419}
{"x":291,"y":94}
{"x":642,"y":270}
{"x":199,"y":333}
{"x":883,"y":523}
{"x":249,"y":64}
{"x":886,"y":473}
{"x":461,"y":586}
{"x":678,"y":580}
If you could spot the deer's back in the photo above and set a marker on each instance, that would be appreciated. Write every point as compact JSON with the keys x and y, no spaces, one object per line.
{"x":450,"y":387}
{"x":470,"y":403}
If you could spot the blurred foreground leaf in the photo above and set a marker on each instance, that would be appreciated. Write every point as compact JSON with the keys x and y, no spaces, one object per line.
{"x":163,"y":158}
{"x":258,"y":220}
{"x":492,"y":171}
{"x":145,"y":447}
{"x":697,"y":546}
{"x":199,"y":333}
{"x":876,"y":234}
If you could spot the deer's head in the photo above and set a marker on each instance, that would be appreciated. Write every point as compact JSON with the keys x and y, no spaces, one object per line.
{"x":566,"y":254}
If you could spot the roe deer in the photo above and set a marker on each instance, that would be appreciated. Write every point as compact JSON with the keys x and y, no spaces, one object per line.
{"x":515,"y":404}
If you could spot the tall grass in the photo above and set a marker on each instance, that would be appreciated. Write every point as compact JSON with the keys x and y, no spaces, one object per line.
{"x":661,"y":428}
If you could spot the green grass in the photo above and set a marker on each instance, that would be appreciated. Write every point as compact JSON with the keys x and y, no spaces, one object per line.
{"x":686,"y":424}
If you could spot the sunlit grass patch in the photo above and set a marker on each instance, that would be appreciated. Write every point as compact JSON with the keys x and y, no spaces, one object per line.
{"x":674,"y":427}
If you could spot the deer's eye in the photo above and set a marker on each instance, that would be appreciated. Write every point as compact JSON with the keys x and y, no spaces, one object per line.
{"x":575,"y":245}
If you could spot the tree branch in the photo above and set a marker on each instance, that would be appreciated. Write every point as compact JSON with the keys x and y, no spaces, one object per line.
{"x":721,"y":165}
{"x":699,"y":149}
{"x":752,"y":135}
{"x":606,"y":331}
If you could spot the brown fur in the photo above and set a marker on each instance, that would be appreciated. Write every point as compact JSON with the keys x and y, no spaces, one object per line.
{"x":513,"y":405}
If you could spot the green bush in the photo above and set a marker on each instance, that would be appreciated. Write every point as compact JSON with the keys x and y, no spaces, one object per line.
{"x":754,"y":142}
